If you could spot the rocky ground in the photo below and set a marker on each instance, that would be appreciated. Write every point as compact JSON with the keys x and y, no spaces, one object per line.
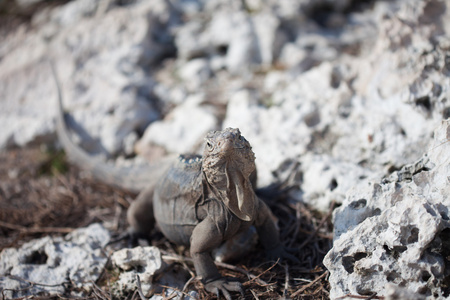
{"x":48,"y":198}
{"x":346,"y":105}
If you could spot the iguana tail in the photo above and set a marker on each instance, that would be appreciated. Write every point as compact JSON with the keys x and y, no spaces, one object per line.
{"x":133,"y":178}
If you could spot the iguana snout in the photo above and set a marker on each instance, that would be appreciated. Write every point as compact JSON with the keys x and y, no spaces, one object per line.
{"x":231,"y":140}
{"x":229,"y":143}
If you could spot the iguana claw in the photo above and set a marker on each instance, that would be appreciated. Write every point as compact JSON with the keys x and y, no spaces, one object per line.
{"x":225,"y":287}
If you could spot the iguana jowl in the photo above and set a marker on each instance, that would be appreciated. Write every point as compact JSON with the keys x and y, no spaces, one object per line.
{"x":199,"y":202}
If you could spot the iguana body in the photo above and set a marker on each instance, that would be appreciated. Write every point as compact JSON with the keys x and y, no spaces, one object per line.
{"x":198,"y":202}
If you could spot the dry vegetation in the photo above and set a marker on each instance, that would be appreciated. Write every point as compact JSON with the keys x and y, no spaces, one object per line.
{"x":41,"y":194}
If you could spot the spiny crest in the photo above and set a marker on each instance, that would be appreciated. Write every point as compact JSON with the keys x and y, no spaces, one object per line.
{"x":189,"y":158}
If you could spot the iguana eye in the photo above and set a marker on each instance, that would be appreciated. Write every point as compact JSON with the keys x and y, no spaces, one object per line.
{"x":208,"y":144}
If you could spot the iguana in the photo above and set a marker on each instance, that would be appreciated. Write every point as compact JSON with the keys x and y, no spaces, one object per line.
{"x":199,"y":202}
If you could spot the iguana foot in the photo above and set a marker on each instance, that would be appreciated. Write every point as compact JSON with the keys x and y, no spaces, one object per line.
{"x":225,"y":287}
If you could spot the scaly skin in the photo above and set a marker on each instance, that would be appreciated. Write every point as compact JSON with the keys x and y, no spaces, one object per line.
{"x":197,"y":202}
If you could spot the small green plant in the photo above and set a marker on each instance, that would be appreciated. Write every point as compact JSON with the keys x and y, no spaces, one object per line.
{"x":55,"y":163}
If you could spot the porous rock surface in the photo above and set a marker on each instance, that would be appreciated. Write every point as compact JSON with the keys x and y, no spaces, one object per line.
{"x":146,"y":262}
{"x":397,"y":231}
{"x":48,"y":266}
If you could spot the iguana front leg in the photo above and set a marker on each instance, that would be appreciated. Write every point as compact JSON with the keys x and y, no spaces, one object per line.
{"x":204,"y":239}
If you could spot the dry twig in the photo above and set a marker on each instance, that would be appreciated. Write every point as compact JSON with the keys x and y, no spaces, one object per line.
{"x":298,"y":292}
{"x":36,"y":229}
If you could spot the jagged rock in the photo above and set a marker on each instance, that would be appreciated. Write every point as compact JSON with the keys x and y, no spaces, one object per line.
{"x":77,"y":258}
{"x":246,"y":41}
{"x":185,"y":134}
{"x":397,"y":232}
{"x":299,"y":108}
{"x":327,"y":180}
{"x":144,"y":262}
{"x":99,"y":57}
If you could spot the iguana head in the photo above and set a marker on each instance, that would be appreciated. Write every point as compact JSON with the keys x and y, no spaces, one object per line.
{"x":228,"y":161}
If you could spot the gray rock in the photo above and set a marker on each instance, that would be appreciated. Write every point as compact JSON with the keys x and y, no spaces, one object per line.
{"x":52,"y":263}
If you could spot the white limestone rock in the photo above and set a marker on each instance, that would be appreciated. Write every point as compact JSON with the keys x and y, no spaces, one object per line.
{"x":195,"y":73}
{"x":242,"y":53}
{"x":190,"y":40}
{"x":183,"y":130}
{"x":395,"y":231}
{"x":144,"y":262}
{"x":327,"y":180}
{"x":99,"y":58}
{"x":246,"y":41}
{"x":394,"y":292}
{"x":284,"y":128}
{"x":78,"y":257}
{"x":400,"y":230}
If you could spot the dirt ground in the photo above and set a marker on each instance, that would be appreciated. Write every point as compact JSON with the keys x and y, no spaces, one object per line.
{"x":42,"y":194}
